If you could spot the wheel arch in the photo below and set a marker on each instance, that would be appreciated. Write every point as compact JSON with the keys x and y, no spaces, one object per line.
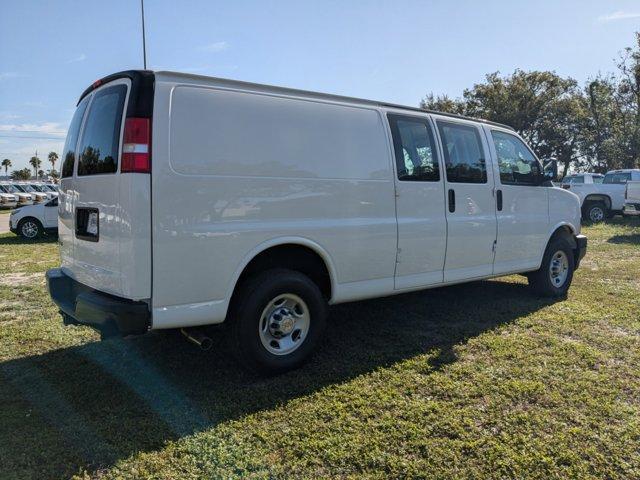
{"x":598,"y":197}
{"x":296,"y":253}
{"x":561,"y":228}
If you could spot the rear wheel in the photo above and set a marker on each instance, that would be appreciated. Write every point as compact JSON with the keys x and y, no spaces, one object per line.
{"x":277,"y":320}
{"x":595,"y":212}
{"x":30,"y":228}
{"x":554,"y":276}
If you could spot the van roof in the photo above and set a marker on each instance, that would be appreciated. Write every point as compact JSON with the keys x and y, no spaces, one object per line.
{"x":133,"y":74}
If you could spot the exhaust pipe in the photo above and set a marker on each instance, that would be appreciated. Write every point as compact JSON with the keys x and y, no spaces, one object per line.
{"x":197,"y":336}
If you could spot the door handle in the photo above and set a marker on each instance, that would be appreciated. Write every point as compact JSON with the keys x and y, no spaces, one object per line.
{"x":499,"y":199}
{"x":452,"y":200}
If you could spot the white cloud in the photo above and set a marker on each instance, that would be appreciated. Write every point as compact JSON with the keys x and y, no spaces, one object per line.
{"x":619,"y":15}
{"x":7,"y":75}
{"x":80,"y":58}
{"x":215,"y":47}
{"x":46,"y":128}
{"x":8,"y":116}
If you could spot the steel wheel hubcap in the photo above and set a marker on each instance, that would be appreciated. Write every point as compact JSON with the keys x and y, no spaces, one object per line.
{"x":29,"y":229}
{"x":596,"y":214}
{"x":284,"y":324}
{"x":559,"y":269}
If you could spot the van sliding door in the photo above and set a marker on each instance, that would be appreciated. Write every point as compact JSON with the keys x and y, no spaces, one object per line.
{"x":422,"y":229}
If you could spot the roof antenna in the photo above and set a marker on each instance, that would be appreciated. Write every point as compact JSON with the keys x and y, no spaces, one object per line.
{"x":144,"y":44}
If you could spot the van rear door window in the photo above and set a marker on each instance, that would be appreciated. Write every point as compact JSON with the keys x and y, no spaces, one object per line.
{"x":100,"y":142}
{"x":69,"y":151}
{"x":414,"y":148}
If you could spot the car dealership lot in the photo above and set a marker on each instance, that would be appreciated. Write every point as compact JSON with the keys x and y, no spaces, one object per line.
{"x":477,"y":380}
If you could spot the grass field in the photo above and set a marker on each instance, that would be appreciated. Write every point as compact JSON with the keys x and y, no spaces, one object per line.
{"x":481,"y":380}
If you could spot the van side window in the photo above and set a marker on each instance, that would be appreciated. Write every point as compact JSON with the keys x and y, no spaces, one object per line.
{"x":100,"y":142}
{"x":463,"y":153}
{"x":69,"y":151}
{"x":517,"y":164}
{"x":414,"y":148}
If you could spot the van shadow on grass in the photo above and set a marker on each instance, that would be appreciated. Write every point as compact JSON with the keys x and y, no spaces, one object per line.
{"x":89,"y":406}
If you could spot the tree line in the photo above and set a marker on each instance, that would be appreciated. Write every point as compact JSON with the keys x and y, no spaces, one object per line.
{"x":590,"y":127}
{"x":36,"y":164}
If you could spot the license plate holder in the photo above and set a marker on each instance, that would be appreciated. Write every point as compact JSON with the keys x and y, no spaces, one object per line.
{"x":88,"y":224}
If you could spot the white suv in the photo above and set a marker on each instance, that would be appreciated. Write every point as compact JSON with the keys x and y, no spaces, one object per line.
{"x":263,"y":205}
{"x":35,"y":220}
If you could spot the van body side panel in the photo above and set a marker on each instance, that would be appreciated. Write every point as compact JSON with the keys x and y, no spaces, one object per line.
{"x":234,"y":170}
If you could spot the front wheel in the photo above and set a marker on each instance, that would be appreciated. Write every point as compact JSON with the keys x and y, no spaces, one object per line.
{"x":595,"y":212}
{"x":554,"y":276}
{"x":30,"y":228}
{"x":277,"y":320}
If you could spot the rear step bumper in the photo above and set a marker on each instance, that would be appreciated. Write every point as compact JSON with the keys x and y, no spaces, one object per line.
{"x":83,"y":305}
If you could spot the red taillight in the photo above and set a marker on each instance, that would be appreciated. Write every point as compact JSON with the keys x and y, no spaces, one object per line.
{"x":136,"y":146}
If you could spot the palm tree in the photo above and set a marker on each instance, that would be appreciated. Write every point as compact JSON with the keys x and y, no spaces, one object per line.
{"x":6,"y":163}
{"x":35,"y":163}
{"x":53,"y":158}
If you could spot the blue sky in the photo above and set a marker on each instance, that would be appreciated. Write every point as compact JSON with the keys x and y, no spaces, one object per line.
{"x":396,"y":51}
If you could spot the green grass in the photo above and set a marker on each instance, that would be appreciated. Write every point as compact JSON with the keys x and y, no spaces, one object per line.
{"x":481,"y":380}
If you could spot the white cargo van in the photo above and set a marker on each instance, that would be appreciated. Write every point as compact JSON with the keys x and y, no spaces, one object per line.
{"x":188,"y":201}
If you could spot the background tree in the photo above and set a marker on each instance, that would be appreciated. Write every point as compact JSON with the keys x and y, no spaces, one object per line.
{"x":53,"y":158}
{"x":41,"y":173}
{"x":6,"y":163}
{"x":35,"y":163}
{"x":592,"y":128}
{"x":548,"y":111}
{"x":24,"y":174}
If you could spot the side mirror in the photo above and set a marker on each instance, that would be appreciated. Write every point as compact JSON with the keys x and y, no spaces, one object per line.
{"x":550,"y":170}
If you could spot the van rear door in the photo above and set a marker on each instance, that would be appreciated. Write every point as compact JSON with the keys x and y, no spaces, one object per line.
{"x":105,"y":209}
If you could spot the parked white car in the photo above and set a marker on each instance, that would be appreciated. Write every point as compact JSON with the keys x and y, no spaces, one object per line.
{"x":42,"y":188}
{"x":600,"y":201}
{"x":587,"y":178}
{"x":632,"y":198}
{"x":263,"y":205}
{"x":22,"y":198}
{"x":7,"y":200}
{"x":37,"y":196}
{"x":35,"y":220}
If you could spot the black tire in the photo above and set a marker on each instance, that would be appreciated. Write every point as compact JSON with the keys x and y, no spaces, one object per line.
{"x":541,"y":281}
{"x":249,"y":303}
{"x":595,"y":212}
{"x":30,"y":228}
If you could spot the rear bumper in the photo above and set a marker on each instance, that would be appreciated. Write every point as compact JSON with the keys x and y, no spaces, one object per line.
{"x":581,"y":248}
{"x":83,"y":305}
{"x":632,"y":208}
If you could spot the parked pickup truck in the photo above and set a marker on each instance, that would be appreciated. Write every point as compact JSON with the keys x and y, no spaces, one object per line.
{"x":606,"y":199}
{"x":632,"y":198}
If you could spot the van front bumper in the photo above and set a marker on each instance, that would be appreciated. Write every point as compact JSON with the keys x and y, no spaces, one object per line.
{"x":83,"y":305}
{"x":581,"y":248}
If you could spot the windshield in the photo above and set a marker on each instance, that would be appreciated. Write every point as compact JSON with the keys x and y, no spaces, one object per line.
{"x":51,"y":188}
{"x":617,"y":177}
{"x":19,"y":188}
{"x":8,"y":188}
{"x":598,"y":178}
{"x":37,"y":188}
